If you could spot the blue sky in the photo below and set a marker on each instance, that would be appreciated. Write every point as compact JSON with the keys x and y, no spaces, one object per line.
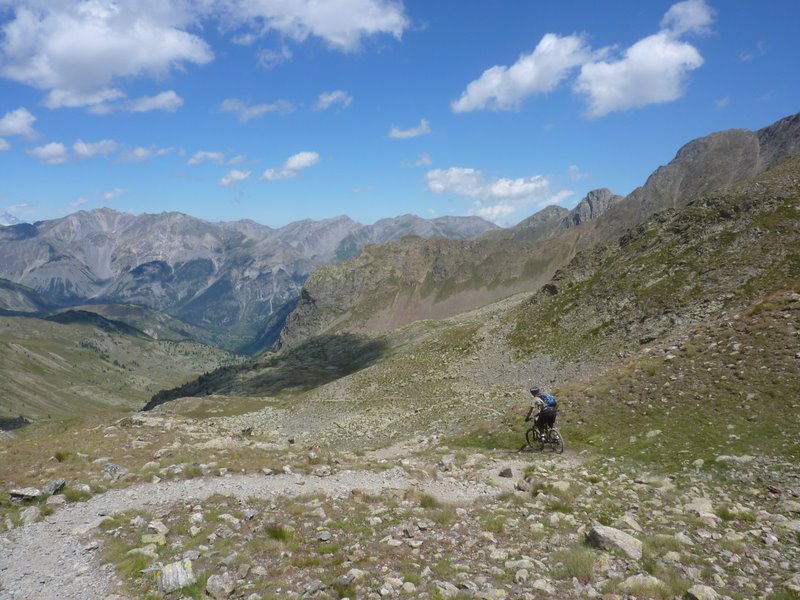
{"x":278,"y":111}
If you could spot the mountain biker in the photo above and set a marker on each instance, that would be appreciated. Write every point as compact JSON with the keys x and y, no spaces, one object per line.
{"x":546,"y":405}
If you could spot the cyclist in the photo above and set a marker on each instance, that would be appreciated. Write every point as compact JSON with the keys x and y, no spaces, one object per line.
{"x":546,"y":405}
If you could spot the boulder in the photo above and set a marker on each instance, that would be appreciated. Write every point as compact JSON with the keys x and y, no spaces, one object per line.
{"x":28,"y":493}
{"x":609,"y":538}
{"x":176,"y":575}
{"x":701,"y":592}
{"x":220,"y":587}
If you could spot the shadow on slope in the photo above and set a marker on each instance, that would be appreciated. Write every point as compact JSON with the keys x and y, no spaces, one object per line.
{"x":313,"y":363}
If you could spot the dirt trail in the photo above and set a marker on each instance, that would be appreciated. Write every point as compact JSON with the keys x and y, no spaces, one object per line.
{"x":53,"y":559}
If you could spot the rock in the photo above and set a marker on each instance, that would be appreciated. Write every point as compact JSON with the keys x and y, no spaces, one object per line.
{"x":220,"y":587}
{"x":790,"y":506}
{"x":324,"y":536}
{"x":609,"y":538}
{"x":640,"y":581}
{"x":701,"y":592}
{"x":322,"y":471}
{"x":149,"y":551}
{"x":739,"y":460}
{"x":448,"y":462}
{"x":543,"y":585}
{"x":176,"y":575}
{"x":561,"y":486}
{"x":30,"y":515}
{"x":792,"y":585}
{"x":158,"y":527}
{"x":113,"y":472}
{"x":628,"y":522}
{"x":523,"y":485}
{"x":56,"y":500}
{"x":507,"y":473}
{"x":28,"y":493}
{"x":154,"y":538}
{"x":54,"y":487}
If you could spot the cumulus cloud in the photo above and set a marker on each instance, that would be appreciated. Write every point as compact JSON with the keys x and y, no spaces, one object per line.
{"x":503,"y":88}
{"x":246,"y":112}
{"x":18,"y":122}
{"x":141,"y":153}
{"x":292,"y":167}
{"x":53,"y":153}
{"x":690,"y":16}
{"x":652,"y":71}
{"x":328,"y":99}
{"x":494,"y":198}
{"x":403,"y":134}
{"x":342,"y":24}
{"x":233,"y":176}
{"x":205,"y":155}
{"x":88,"y":150}
{"x":113,"y":194}
{"x":77,"y":50}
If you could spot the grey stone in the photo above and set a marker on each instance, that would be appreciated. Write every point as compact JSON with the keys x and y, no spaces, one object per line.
{"x":176,"y":575}
{"x":28,"y":493}
{"x":507,"y":473}
{"x":220,"y":587}
{"x":54,"y":487}
{"x":609,"y":538}
{"x":30,"y":515}
{"x":701,"y":592}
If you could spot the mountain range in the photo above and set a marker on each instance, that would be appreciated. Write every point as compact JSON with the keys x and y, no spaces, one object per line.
{"x":236,"y":281}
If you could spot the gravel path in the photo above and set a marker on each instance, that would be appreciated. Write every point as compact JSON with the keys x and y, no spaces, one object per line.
{"x":54,"y":559}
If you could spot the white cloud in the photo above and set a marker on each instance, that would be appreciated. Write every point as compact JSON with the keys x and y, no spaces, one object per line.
{"x":53,"y":153}
{"x":403,"y":134}
{"x":96,"y":100}
{"x":722,"y":103}
{"x":246,"y":112}
{"x":576,"y":174}
{"x":79,"y":202}
{"x":141,"y":154}
{"x":690,"y":16}
{"x":113,"y":194}
{"x":77,"y":49}
{"x":292,"y":167}
{"x":233,"y":176}
{"x":495,"y":198}
{"x":168,"y":101}
{"x":423,"y":160}
{"x":328,"y":99}
{"x":342,"y":24}
{"x":238,"y":159}
{"x":4,"y":145}
{"x":504,"y":88}
{"x":269,"y":59}
{"x":18,"y":122}
{"x":205,"y":155}
{"x":86,"y":150}
{"x":652,"y":71}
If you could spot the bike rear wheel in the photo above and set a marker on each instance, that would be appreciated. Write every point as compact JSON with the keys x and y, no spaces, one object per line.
{"x":534,"y":438}
{"x":556,"y":441}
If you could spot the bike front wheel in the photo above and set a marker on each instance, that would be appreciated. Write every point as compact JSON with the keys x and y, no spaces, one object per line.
{"x":556,"y":441}
{"x":534,"y":438}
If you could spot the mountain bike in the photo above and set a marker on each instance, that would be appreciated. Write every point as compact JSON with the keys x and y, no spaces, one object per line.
{"x":549,"y":436}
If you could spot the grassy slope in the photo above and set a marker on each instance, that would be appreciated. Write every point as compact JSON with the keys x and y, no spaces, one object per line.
{"x":50,"y":369}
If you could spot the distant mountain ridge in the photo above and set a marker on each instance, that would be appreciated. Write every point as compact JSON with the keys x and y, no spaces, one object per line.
{"x":238,"y":279}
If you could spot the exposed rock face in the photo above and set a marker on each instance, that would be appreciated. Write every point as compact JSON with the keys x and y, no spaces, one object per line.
{"x":705,"y":165}
{"x":238,"y":280}
{"x":614,"y":539}
{"x":590,"y":208}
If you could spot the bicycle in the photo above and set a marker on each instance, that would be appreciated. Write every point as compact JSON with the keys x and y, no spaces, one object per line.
{"x":550,"y":436}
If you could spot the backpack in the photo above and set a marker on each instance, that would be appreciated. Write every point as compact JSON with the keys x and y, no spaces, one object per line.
{"x":549,"y":399}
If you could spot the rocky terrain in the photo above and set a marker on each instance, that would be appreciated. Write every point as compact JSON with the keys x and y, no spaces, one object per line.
{"x":386,"y":461}
{"x":236,"y":517}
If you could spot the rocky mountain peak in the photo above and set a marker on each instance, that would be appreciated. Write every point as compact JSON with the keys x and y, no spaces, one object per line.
{"x":590,"y":207}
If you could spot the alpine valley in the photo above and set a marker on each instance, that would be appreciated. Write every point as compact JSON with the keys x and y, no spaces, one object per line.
{"x":331,"y":410}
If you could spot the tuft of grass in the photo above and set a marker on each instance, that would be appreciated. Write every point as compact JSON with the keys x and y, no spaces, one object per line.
{"x":578,"y":562}
{"x":428,"y":501}
{"x":276,"y":531}
{"x":75,"y":495}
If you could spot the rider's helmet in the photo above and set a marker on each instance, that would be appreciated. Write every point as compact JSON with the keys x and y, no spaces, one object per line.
{"x":534,"y":391}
